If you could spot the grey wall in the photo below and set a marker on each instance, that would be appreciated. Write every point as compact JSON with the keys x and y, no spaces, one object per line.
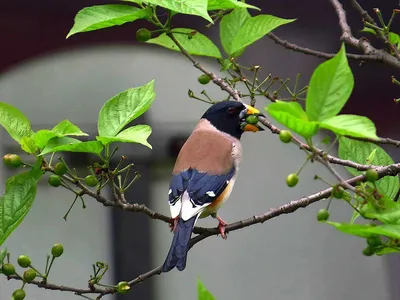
{"x":289,"y":257}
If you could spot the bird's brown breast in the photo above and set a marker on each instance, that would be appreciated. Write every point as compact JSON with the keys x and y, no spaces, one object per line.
{"x":206,"y":150}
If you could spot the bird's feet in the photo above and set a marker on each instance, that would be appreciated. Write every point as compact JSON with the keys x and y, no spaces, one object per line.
{"x":221,"y":226}
{"x":173,"y":225}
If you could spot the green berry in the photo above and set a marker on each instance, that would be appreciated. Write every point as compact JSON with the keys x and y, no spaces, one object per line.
{"x":91,"y":180}
{"x":12,"y":160}
{"x":123,"y":287}
{"x":285,"y":136}
{"x":322,"y":215}
{"x":337,"y":192}
{"x":54,"y":180}
{"x":368,"y":251}
{"x":292,"y":180}
{"x":19,"y":294}
{"x":204,"y":79}
{"x":60,"y":168}
{"x":143,"y":35}
{"x":252,"y":119}
{"x":57,"y":250}
{"x":374,"y":241}
{"x":8,"y":269}
{"x":29,"y":275}
{"x":24,"y":261}
{"x":371,"y":175}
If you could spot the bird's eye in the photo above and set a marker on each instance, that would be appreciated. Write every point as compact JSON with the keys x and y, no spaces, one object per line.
{"x":232,"y":110}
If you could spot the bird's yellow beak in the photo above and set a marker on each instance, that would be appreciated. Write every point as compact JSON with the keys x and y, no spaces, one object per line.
{"x":250,"y":119}
{"x":252,"y":110}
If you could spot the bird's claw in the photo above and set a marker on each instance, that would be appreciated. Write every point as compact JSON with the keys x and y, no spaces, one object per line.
{"x":173,"y":225}
{"x":221,"y":226}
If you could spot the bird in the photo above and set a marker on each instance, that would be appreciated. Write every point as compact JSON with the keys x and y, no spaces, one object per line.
{"x":205,"y":172}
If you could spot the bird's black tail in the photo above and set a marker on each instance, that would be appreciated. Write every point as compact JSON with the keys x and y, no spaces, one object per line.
{"x":179,"y":247}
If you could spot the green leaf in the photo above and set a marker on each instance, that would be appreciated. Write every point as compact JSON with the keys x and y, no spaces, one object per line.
{"x":3,"y":254}
{"x":230,"y":25}
{"x":330,"y":87}
{"x":65,"y":128}
{"x":359,"y":152}
{"x":367,"y":230}
{"x":351,"y":125}
{"x":120,"y":110}
{"x":41,"y":137}
{"x":14,"y":121}
{"x":187,"y":7}
{"x":394,"y":38}
{"x":202,"y":292}
{"x":18,"y":199}
{"x":371,"y":157}
{"x":386,"y":250}
{"x":28,"y":144}
{"x":228,"y":4}
{"x":292,"y":115}
{"x":104,"y":16}
{"x":383,"y":209}
{"x":254,"y":29}
{"x":198,"y":44}
{"x":369,"y":30}
{"x":60,"y":144}
{"x":134,"y":134}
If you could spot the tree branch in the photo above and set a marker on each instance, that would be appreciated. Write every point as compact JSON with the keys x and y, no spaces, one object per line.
{"x":364,"y":14}
{"x":362,"y":43}
{"x":319,"y":54}
{"x":204,"y":233}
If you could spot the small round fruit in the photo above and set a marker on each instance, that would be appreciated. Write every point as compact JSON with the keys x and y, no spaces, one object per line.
{"x":29,"y":275}
{"x":374,"y":241}
{"x":322,"y":215}
{"x":371,"y":175}
{"x":91,"y":180}
{"x":204,"y":79}
{"x":60,"y":168}
{"x":8,"y":269}
{"x":123,"y":287}
{"x":285,"y":136}
{"x":19,"y":294}
{"x":292,"y":180}
{"x":337,"y":192}
{"x":24,"y":261}
{"x":12,"y":160}
{"x":54,"y":180}
{"x":57,"y":250}
{"x":368,"y":251}
{"x":252,"y":119}
{"x":143,"y":35}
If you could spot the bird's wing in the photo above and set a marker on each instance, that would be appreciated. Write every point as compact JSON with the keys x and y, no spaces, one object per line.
{"x":191,"y":191}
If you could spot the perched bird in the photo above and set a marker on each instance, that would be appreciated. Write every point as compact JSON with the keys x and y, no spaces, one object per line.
{"x":205,"y":172}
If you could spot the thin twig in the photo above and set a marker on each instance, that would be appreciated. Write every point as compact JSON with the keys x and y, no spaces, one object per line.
{"x":362,"y":44}
{"x":364,"y":14}
{"x":319,"y":54}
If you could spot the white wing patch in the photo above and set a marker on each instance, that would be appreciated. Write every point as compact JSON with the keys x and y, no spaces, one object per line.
{"x":210,"y":194}
{"x":175,"y":208}
{"x":187,"y":210}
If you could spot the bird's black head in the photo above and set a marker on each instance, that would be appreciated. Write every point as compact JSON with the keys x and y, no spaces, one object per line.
{"x":229,"y":117}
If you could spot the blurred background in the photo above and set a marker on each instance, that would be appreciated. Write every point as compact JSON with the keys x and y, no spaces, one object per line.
{"x":50,"y":79}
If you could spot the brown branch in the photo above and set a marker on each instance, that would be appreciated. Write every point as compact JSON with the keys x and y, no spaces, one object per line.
{"x":319,"y":54}
{"x":204,"y":233}
{"x":364,"y":14}
{"x":362,"y":44}
{"x":381,"y":141}
{"x":217,"y":80}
